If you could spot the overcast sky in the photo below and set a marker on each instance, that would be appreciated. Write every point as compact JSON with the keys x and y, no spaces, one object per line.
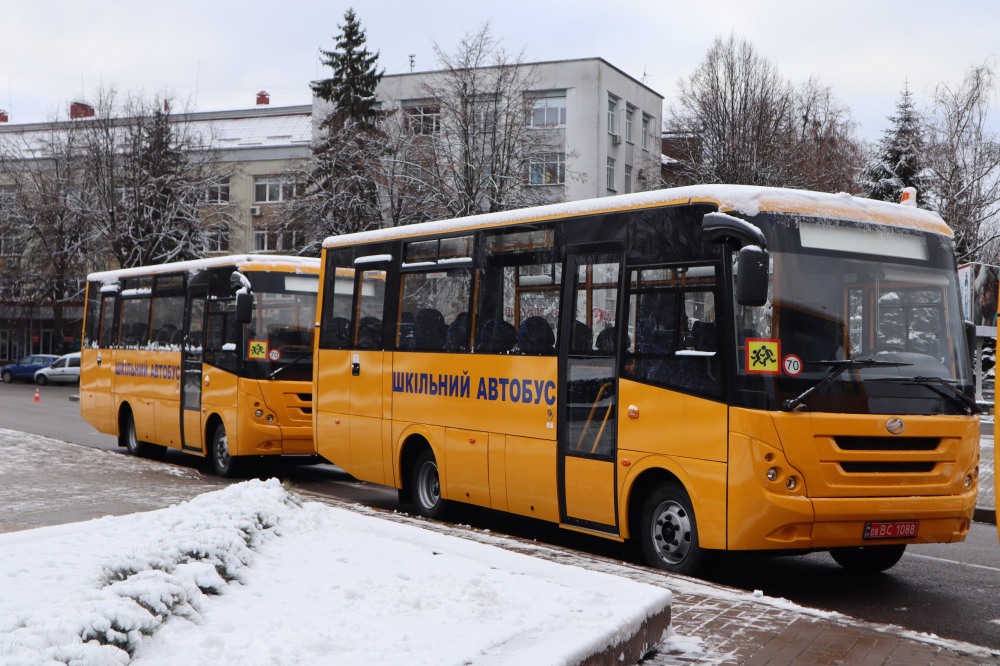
{"x":216,"y":54}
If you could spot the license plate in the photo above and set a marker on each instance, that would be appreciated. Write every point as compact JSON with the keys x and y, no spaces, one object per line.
{"x":892,"y":530}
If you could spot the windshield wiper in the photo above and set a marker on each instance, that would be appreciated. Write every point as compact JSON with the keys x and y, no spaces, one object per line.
{"x":953,"y":392}
{"x":837,"y":368}
{"x":295,"y":361}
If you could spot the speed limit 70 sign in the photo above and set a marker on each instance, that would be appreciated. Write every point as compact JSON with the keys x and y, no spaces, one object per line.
{"x":792,"y":365}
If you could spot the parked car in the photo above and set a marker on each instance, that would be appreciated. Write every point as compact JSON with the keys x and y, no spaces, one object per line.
{"x":25,"y":368}
{"x":64,"y":370}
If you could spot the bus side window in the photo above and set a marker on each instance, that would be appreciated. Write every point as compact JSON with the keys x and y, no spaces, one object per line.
{"x":371,"y":307}
{"x":435,"y":308}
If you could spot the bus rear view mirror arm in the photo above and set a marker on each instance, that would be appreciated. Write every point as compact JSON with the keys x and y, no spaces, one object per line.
{"x":753,"y":262}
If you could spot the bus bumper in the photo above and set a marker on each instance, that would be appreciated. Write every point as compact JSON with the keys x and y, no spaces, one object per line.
{"x":820,"y":523}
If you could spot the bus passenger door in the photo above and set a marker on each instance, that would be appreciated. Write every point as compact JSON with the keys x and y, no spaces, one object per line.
{"x":192,"y":357}
{"x":588,"y":392}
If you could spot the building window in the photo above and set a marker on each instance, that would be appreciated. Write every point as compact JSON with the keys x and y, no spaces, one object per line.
{"x":647,"y":122}
{"x":422,"y":118}
{"x":547,"y":169}
{"x":612,"y":114}
{"x":549,"y":110}
{"x":628,"y":178}
{"x":288,"y":240}
{"x":629,"y":122}
{"x":272,"y":189}
{"x":611,"y":174}
{"x":10,"y":245}
{"x":217,"y":239}
{"x":217,"y":192}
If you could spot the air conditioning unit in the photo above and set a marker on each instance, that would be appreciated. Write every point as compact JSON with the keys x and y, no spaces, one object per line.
{"x":616,"y":139}
{"x":255,"y":211}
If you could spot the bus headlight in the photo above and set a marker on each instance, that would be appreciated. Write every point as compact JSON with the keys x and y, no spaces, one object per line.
{"x":772,"y":474}
{"x":791,"y":483}
{"x":259,"y":413}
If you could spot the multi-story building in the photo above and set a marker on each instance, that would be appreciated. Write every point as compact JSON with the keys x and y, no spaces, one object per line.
{"x":607,"y":124}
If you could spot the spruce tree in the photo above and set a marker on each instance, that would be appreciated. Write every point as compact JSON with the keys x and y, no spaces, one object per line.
{"x":351,"y":89}
{"x":899,"y":159}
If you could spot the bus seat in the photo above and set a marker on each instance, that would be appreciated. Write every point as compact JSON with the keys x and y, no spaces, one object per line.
{"x":428,"y":330}
{"x":370,"y":333}
{"x":606,"y":340}
{"x":535,"y":337}
{"x":456,"y":338}
{"x":406,"y":339}
{"x":703,"y":335}
{"x":582,"y":341}
{"x":495,"y":337}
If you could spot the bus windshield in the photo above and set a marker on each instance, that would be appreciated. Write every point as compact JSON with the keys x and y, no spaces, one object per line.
{"x":278,"y":342}
{"x":873,"y":315}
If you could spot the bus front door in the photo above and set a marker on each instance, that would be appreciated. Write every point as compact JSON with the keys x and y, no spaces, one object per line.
{"x":588,"y":381}
{"x":192,"y":356}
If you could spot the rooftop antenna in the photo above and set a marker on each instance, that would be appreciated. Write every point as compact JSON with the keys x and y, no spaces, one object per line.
{"x":413,"y":61}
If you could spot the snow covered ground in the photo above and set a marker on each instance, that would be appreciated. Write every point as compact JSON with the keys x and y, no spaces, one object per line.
{"x":252,"y":575}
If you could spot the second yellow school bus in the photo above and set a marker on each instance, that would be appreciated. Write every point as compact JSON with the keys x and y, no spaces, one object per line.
{"x":693,"y":369}
{"x":212,"y":357}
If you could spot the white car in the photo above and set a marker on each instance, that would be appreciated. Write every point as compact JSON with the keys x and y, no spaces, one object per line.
{"x":64,"y":370}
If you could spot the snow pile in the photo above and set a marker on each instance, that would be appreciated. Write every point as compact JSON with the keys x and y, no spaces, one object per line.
{"x":203,"y":546}
{"x":249,"y":575}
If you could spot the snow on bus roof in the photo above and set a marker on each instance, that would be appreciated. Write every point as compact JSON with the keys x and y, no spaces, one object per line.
{"x":745,"y":199}
{"x":253,"y":261}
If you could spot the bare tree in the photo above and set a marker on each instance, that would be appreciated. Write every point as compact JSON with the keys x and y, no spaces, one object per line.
{"x":149,"y":176}
{"x":472,"y":151}
{"x":46,"y":223}
{"x":964,"y":164}
{"x":740,"y":121}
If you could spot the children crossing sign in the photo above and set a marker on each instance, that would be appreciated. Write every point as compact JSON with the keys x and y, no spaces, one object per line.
{"x":763,"y":356}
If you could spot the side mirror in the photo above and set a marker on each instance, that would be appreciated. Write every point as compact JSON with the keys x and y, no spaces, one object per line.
{"x":752,"y":265}
{"x":244,"y":307}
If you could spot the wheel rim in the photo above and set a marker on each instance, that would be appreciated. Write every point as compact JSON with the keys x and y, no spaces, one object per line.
{"x":131,"y":438}
{"x":671,"y":528}
{"x":428,"y":485}
{"x":221,"y":451}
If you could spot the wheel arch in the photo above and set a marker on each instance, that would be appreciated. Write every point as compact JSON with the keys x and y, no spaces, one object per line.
{"x":411,"y":442}
{"x":705,"y":483}
{"x":212,"y":423}
{"x":124,"y":408}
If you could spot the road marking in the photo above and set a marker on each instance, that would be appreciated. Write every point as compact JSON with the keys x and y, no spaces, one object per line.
{"x":964,"y":564}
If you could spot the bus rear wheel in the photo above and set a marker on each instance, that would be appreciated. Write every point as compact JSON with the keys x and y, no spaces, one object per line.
{"x":868,"y":559}
{"x":425,"y":484}
{"x":223,"y":464}
{"x":129,"y":438}
{"x":668,"y":532}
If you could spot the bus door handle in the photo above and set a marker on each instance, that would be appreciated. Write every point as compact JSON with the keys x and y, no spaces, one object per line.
{"x":98,"y":359}
{"x":356,"y":366}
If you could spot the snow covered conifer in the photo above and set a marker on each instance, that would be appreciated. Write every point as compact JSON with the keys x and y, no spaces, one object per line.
{"x":899,"y":159}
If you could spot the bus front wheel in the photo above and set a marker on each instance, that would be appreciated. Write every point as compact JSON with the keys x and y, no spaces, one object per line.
{"x":868,"y":559}
{"x":425,"y":484}
{"x":668,"y":532}
{"x":223,"y":464}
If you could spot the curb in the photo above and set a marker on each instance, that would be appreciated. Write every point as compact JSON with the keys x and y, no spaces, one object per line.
{"x":648,"y":635}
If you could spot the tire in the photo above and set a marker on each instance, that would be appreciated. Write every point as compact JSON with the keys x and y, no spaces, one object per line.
{"x":425,"y":485}
{"x":128,"y":438}
{"x":868,"y":559}
{"x":41,"y":380}
{"x":8,"y":377}
{"x":668,"y":531}
{"x":223,"y":464}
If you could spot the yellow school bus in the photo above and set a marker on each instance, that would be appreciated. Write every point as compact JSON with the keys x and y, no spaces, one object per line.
{"x":691,"y":369}
{"x":212,"y":357}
